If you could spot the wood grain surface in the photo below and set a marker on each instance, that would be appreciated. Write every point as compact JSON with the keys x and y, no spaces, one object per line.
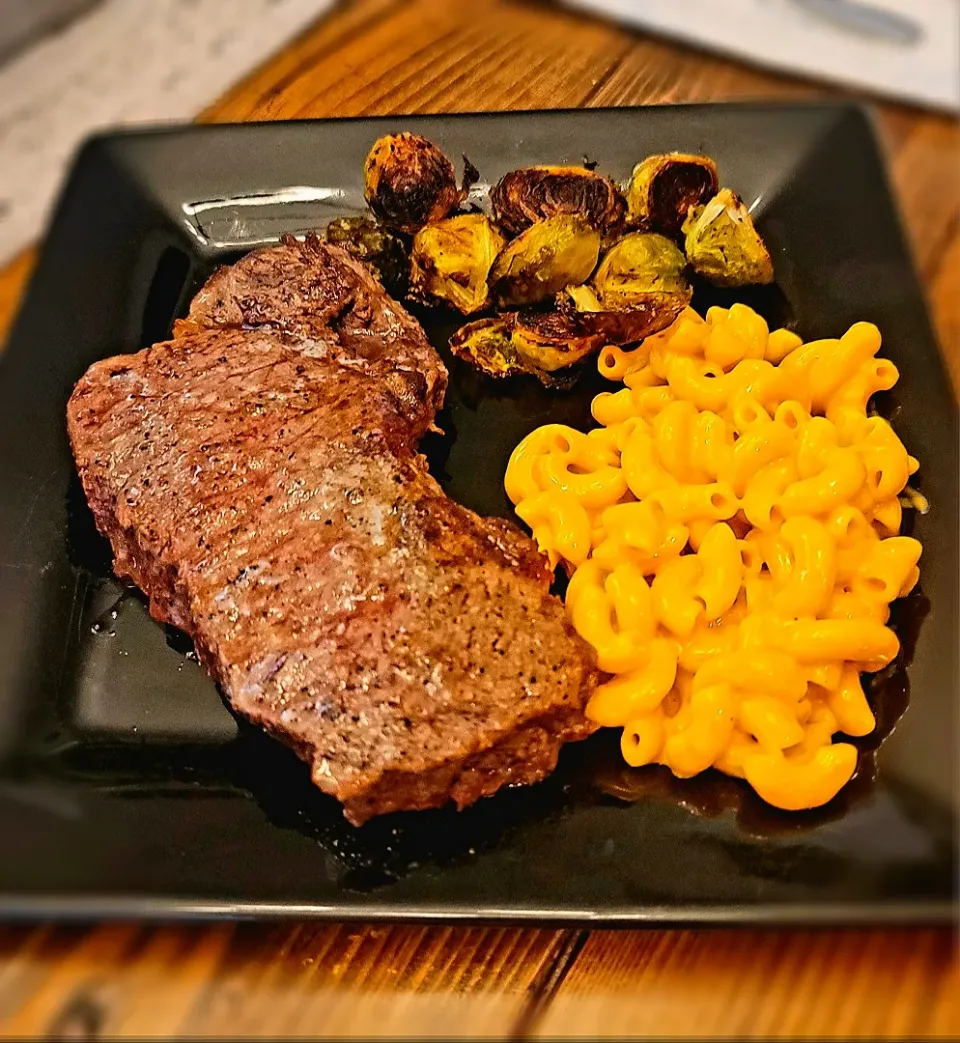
{"x":388,"y":56}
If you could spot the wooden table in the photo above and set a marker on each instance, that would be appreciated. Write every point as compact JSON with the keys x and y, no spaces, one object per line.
{"x":388,"y":56}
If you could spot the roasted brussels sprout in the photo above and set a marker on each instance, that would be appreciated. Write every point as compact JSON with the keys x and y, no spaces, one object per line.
{"x":723,"y":245}
{"x":638,"y":265}
{"x":638,"y":290}
{"x":533,"y":193}
{"x":552,"y":340}
{"x":553,"y":253}
{"x":384,"y":253}
{"x":540,"y":343}
{"x":628,"y":321}
{"x":408,"y":181}
{"x":664,"y":187}
{"x":545,"y":343}
{"x":451,"y":260}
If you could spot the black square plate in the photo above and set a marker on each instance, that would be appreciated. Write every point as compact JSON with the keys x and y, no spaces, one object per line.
{"x":126,"y":787}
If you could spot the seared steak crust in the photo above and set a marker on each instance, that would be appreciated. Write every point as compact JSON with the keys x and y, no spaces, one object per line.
{"x":258,"y":478}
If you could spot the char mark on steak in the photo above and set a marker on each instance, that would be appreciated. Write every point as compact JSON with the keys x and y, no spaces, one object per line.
{"x":258,"y":478}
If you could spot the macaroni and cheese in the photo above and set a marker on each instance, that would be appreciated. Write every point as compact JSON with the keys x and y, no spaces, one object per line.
{"x":732,"y":534}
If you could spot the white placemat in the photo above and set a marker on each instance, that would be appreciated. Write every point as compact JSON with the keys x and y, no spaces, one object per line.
{"x":907,"y":49}
{"x":126,"y":62}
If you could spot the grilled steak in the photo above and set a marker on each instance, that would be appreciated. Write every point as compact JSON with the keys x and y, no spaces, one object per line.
{"x":258,"y":478}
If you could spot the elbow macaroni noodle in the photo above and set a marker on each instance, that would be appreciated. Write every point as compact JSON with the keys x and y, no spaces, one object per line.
{"x":732,"y":534}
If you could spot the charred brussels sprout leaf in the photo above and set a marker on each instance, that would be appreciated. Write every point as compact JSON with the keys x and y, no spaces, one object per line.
{"x":408,"y":182}
{"x":524,"y":196}
{"x":384,"y":253}
{"x":723,"y":245}
{"x":551,"y":254}
{"x":487,"y":344}
{"x":451,"y":260}
{"x":638,"y":265}
{"x":664,"y":187}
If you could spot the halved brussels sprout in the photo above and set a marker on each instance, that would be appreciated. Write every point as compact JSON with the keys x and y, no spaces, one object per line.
{"x":552,"y":340}
{"x":638,"y":290}
{"x":628,"y":321}
{"x":451,"y":260}
{"x":533,"y":193}
{"x":408,"y":182}
{"x":664,"y":187}
{"x":553,"y":253}
{"x":384,"y":253}
{"x":638,"y":265}
{"x":723,"y":245}
{"x":538,"y":343}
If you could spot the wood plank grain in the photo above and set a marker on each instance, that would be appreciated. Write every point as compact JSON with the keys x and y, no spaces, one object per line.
{"x":250,"y":98}
{"x":926,"y":175}
{"x":126,"y":981}
{"x":945,"y":304}
{"x":690,"y":984}
{"x":383,"y":56}
{"x":71,"y":988}
{"x":657,"y":72}
{"x":430,"y":56}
